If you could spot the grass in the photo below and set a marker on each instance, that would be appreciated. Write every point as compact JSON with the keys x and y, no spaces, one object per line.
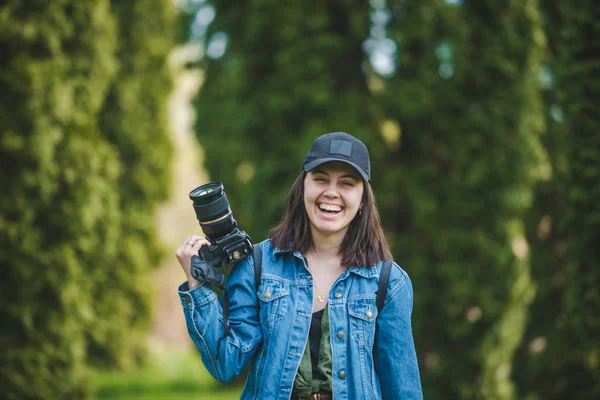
{"x":172,"y":374}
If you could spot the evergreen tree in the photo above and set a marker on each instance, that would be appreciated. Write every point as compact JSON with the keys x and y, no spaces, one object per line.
{"x":462,"y":121}
{"x":59,"y":209}
{"x":559,"y":356}
{"x":65,"y":223}
{"x":133,"y":121}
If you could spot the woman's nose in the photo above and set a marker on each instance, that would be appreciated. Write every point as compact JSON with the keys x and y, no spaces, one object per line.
{"x":331,"y":190}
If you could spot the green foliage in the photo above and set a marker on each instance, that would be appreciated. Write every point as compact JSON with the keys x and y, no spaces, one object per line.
{"x":485,"y":165}
{"x":292,"y":71}
{"x":560,"y":357}
{"x":57,"y":168}
{"x":455,"y":155}
{"x":133,"y":121}
{"x":169,"y":374}
{"x":461,"y":184}
{"x":71,"y":244}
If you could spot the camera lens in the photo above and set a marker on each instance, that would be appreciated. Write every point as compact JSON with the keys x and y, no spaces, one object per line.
{"x":212,"y":210}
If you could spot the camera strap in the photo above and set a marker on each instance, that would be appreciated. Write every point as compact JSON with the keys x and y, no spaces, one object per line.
{"x":225,"y":319}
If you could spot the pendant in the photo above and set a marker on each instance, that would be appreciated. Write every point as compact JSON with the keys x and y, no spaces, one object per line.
{"x":320,"y":299}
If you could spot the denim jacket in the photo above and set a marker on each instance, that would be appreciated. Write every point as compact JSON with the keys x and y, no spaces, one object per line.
{"x":373,"y":355}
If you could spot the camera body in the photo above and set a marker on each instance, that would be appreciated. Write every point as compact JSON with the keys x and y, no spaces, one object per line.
{"x":230,"y":248}
{"x":228,"y":242}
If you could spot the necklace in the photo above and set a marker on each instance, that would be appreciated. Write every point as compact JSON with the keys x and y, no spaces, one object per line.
{"x":320,"y":297}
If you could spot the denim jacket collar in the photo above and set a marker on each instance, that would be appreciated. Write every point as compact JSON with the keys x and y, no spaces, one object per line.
{"x":358,"y":270}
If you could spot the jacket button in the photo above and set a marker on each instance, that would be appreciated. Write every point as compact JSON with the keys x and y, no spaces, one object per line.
{"x":338,"y":295}
{"x":342,"y":374}
{"x":188,"y":299}
{"x":267,"y":295}
{"x":340,"y":334}
{"x":369,"y":314}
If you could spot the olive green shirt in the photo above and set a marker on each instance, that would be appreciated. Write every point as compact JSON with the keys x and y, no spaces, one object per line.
{"x":304,"y":384}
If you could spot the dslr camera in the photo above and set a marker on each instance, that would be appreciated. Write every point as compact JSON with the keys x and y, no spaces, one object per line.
{"x":228,"y":243}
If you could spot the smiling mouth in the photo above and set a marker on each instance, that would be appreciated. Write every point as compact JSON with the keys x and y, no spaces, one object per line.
{"x":330,"y":208}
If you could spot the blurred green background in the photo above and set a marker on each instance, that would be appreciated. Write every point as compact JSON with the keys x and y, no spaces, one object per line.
{"x":483,"y":126}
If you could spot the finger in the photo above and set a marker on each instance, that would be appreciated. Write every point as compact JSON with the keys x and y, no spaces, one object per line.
{"x":191,"y":240}
{"x":194,"y":239}
{"x":201,"y":242}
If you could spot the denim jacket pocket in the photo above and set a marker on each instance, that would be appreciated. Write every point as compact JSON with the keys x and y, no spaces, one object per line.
{"x":273,"y":296}
{"x":363,"y":313}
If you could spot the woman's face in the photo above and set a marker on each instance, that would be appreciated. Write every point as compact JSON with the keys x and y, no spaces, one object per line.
{"x":332,"y":196}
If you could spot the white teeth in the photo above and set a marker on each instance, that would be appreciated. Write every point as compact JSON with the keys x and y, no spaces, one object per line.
{"x":330,"y":207}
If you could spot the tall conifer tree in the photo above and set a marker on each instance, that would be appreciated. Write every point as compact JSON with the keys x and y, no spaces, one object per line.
{"x":133,"y":121}
{"x":559,"y":356}
{"x":466,"y":101}
{"x":79,"y":119}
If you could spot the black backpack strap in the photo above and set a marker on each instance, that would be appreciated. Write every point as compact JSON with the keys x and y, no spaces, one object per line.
{"x":257,"y":254}
{"x":384,"y":279}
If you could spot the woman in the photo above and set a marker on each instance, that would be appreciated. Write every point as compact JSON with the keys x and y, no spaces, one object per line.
{"x":312,"y":329}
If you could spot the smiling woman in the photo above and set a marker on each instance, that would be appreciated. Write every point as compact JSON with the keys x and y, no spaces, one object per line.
{"x":332,"y":198}
{"x":312,"y":327}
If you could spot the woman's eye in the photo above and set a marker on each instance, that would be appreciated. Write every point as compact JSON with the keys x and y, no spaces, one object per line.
{"x":347,"y":183}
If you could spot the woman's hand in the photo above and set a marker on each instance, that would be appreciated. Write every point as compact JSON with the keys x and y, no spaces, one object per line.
{"x":184,"y":254}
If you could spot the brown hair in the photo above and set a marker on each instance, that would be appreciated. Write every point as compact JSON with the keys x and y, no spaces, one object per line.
{"x":364,"y":243}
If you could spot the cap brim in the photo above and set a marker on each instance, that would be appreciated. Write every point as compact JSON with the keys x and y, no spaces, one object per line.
{"x":315,"y":163}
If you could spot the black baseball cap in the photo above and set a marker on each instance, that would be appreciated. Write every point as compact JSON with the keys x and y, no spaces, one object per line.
{"x":339,"y":146}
